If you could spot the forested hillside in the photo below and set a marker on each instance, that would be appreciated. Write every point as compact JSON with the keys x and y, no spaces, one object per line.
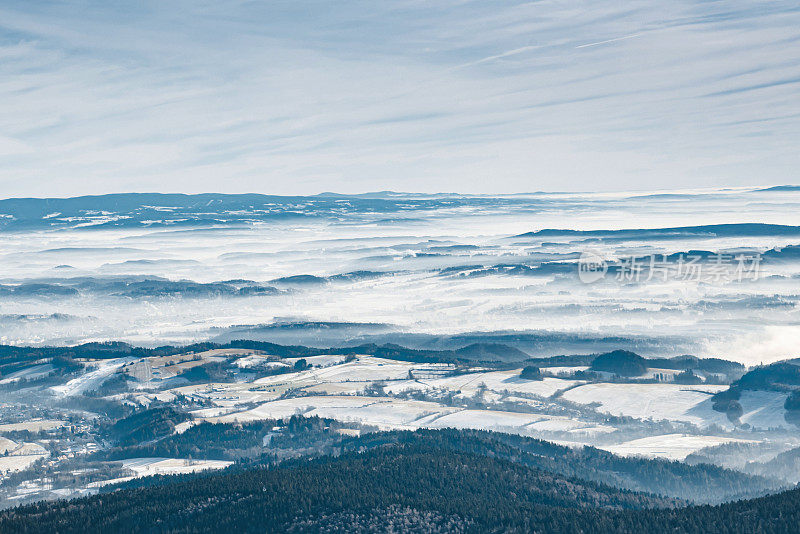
{"x":700,"y":484}
{"x":416,"y":486}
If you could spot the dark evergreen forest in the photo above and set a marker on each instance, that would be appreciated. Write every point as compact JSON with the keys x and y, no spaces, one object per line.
{"x":431,"y":481}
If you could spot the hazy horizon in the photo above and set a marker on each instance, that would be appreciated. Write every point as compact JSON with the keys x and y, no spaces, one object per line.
{"x":376,"y":192}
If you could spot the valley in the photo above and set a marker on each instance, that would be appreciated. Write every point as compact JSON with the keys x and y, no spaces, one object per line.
{"x":111,"y":418}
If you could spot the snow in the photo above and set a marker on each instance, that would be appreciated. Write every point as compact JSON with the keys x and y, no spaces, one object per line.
{"x":248,"y":361}
{"x":29,"y":373}
{"x":500,"y":381}
{"x":389,"y":413}
{"x":19,"y":456}
{"x":337,"y":392}
{"x":347,"y":388}
{"x":383,"y":412}
{"x":514,"y":422}
{"x":209,"y":412}
{"x":764,"y":409}
{"x":691,"y":404}
{"x":30,"y":449}
{"x":668,"y":446}
{"x":335,"y":389}
{"x":365,"y":369}
{"x":180,"y":428}
{"x":32,"y":426}
{"x":101,"y":483}
{"x":565,"y":424}
{"x":324,"y":360}
{"x":92,"y":379}
{"x":170,"y":466}
{"x":143,"y":467}
{"x":9,"y":464}
{"x":7,"y":445}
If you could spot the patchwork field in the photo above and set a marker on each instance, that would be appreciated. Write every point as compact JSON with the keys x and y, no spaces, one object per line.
{"x":389,"y":394}
{"x":648,"y":415}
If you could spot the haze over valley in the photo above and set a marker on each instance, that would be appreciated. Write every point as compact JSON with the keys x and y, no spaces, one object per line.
{"x":419,"y":270}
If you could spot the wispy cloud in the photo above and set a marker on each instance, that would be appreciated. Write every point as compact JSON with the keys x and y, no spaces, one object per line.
{"x":472,"y":96}
{"x":614,"y":40}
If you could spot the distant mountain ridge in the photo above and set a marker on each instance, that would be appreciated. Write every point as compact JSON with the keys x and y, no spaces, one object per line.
{"x":713,"y":230}
{"x":178,"y":209}
{"x":782,"y":188}
{"x":186,"y":210}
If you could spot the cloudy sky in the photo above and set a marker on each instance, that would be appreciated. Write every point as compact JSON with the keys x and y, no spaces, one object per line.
{"x":303,"y":96}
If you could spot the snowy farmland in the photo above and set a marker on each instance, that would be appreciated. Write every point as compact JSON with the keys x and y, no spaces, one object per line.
{"x":669,"y":446}
{"x":36,"y":425}
{"x":672,"y":402}
{"x":17,"y":456}
{"x":390,"y":394}
{"x":170,"y":466}
{"x":142,"y":467}
{"x":649,"y":416}
{"x":388,"y":413}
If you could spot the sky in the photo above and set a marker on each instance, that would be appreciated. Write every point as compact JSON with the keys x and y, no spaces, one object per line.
{"x":300,"y":97}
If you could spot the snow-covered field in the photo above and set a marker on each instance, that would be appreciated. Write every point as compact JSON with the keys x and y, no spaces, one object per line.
{"x":692,"y":404}
{"x":385,"y":413}
{"x":516,"y":423}
{"x":390,"y":394}
{"x":169,"y":466}
{"x":399,"y":376}
{"x":29,"y":373}
{"x":668,"y":446}
{"x":143,"y":467}
{"x":365,"y":369}
{"x":390,"y":413}
{"x":32,"y":426}
{"x":501,"y":381}
{"x":324,"y":360}
{"x":479,"y":399}
{"x":672,"y":402}
{"x":763,"y":409}
{"x":18,"y":456}
{"x":10,"y":464}
{"x":92,"y":379}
